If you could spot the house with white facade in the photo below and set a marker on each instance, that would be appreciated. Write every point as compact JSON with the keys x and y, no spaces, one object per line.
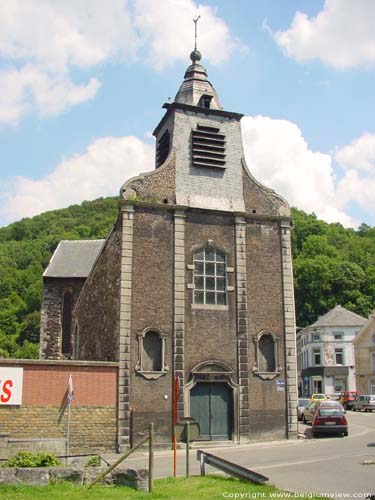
{"x":326,"y":361}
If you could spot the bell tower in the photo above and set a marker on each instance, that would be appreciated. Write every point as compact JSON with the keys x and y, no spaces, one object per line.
{"x":207,"y":143}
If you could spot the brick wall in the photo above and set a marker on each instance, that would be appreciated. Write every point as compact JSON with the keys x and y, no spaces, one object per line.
{"x":264,"y":282}
{"x":43,"y":413}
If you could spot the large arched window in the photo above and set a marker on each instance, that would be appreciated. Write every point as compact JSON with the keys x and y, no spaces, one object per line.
{"x":151,"y":353}
{"x":66,"y":325}
{"x":210,"y":277}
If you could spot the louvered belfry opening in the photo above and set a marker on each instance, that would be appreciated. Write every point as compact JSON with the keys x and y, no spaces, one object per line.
{"x":162,"y":149}
{"x":208,"y":147}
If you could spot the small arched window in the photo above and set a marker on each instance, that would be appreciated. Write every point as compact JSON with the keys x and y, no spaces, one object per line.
{"x":266,"y":346}
{"x":266,"y":357}
{"x":66,"y":323}
{"x":151,"y":353}
{"x":210,"y":277}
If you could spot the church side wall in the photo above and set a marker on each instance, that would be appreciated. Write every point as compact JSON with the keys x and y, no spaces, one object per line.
{"x":265,"y":312}
{"x":152,"y":306}
{"x":98,"y":309}
{"x":40,"y":421}
{"x":51,"y":313}
{"x":210,"y":332}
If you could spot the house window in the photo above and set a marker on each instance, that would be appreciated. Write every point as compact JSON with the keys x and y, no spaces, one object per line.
{"x":317,"y":357}
{"x":210,"y":281}
{"x":266,"y":364}
{"x":339,"y":356}
{"x":66,"y":322}
{"x":337,"y":335}
{"x":316,"y":337}
{"x":151,"y":354}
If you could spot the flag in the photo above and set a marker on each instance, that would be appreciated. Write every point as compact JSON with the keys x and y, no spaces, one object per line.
{"x":70,"y":389}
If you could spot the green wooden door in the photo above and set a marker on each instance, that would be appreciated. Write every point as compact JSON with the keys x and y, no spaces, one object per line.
{"x":211,"y":407}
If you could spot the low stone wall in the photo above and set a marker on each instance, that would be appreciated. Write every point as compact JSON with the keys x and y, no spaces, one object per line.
{"x":11,"y":446}
{"x":41,"y":476}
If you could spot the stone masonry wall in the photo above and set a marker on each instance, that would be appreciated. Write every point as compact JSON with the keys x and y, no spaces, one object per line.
{"x":152,"y":306}
{"x":261,"y":200}
{"x":43,"y":412}
{"x":265,"y":312}
{"x":98,"y":309}
{"x":50,"y":320}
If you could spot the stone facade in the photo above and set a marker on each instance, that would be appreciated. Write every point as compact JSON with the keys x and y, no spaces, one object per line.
{"x":235,"y":344}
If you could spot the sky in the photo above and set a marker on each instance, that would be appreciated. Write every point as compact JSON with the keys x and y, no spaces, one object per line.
{"x":82,"y":84}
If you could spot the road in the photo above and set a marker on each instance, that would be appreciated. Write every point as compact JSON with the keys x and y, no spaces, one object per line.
{"x":323,"y":465}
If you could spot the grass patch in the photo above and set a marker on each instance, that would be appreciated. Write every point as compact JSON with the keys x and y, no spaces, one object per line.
{"x":196,"y":488}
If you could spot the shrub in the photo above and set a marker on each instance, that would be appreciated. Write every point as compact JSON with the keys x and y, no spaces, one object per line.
{"x":27,"y":459}
{"x":93,"y":461}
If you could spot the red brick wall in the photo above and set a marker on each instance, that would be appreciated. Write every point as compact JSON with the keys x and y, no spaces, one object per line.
{"x":43,"y":412}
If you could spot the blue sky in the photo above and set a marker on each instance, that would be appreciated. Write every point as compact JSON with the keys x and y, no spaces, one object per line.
{"x":82,"y":83}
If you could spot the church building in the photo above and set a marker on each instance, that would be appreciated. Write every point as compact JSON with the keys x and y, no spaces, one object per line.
{"x":193,"y":282}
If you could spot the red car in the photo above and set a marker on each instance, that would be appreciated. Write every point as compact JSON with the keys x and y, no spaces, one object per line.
{"x":348,"y":399}
{"x":329,"y":419}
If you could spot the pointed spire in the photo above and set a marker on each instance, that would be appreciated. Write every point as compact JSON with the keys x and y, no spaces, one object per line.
{"x":196,"y":86}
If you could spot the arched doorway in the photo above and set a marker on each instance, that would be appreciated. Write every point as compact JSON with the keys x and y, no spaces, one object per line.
{"x":212,"y":395}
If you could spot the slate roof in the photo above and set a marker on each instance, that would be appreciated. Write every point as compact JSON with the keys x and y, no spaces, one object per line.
{"x":339,"y":316}
{"x":73,"y":259}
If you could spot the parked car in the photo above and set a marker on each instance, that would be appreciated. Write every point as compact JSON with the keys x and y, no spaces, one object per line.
{"x":329,"y":419}
{"x":347,"y":399}
{"x":318,"y":397}
{"x":309,"y":413}
{"x":303,"y":403}
{"x":365,"y":402}
{"x":336,"y":396}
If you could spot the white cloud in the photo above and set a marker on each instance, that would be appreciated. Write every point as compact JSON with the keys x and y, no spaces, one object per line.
{"x":360,"y":154}
{"x":341,"y":35}
{"x":167,"y":29}
{"x":278,"y":155}
{"x":27,"y":88}
{"x":100,"y":171}
{"x":42,"y":42}
{"x":358,"y":182}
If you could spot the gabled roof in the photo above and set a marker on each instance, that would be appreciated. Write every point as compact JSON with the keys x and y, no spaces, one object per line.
{"x":73,"y":259}
{"x":339,"y":316}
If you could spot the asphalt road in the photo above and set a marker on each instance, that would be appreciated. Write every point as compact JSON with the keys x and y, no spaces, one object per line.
{"x":328,"y":465}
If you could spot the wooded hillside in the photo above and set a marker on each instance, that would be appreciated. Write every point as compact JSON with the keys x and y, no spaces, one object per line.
{"x":332,"y":265}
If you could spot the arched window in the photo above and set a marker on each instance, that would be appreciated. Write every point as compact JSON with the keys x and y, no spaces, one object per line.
{"x":66,"y":323}
{"x":210,"y":277}
{"x":266,"y":346}
{"x":266,"y":357}
{"x":151,"y":354}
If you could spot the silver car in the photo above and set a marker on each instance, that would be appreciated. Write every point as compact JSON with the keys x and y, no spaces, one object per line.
{"x":365,"y":402}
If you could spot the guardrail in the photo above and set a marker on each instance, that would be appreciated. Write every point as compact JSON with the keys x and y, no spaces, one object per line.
{"x":229,"y":468}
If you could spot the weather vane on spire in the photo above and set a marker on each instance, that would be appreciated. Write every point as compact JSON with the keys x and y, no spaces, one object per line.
{"x":195,"y":55}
